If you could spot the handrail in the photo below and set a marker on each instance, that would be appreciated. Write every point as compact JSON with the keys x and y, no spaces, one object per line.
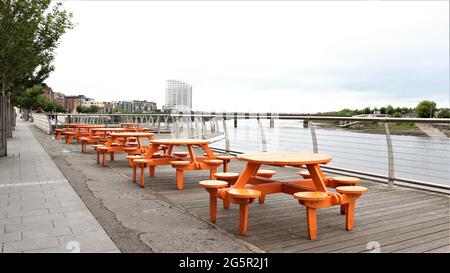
{"x":272,"y":116}
{"x":345,"y":149}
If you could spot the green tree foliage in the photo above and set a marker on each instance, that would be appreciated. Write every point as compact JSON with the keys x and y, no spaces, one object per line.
{"x":426,"y":109}
{"x":88,"y":110}
{"x":30,"y":31}
{"x":33,"y":99}
{"x":390,"y":110}
{"x":443,"y":113}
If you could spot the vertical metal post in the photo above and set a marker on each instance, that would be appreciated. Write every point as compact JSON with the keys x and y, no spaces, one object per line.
{"x":313,"y":136}
{"x":235,"y":120}
{"x":272,"y":121}
{"x":50,"y":127}
{"x":263,"y":136}
{"x":227,"y":137}
{"x":175,"y":127}
{"x":197,"y":127}
{"x":188,"y":126}
{"x":158,"y":122}
{"x":390,"y":151}
{"x":203,"y":128}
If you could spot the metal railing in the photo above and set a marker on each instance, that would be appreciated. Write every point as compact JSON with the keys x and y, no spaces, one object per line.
{"x":380,"y":154}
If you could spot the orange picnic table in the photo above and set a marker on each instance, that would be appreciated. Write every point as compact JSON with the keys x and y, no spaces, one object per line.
{"x":181,"y":161}
{"x":78,"y":130}
{"x":129,"y":142}
{"x":311,"y":192}
{"x":130,"y":125}
{"x":101,"y":135}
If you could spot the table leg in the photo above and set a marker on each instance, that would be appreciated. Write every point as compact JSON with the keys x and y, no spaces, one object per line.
{"x":142,"y":175}
{"x":191,"y":153}
{"x":169,"y":150}
{"x":250,"y":170}
{"x":243,"y":219}
{"x":139,"y":142}
{"x":180,"y":181}
{"x":318,"y":177}
{"x":312,"y":222}
{"x":349,"y":216}
{"x":213,"y":205}
{"x":208,"y":151}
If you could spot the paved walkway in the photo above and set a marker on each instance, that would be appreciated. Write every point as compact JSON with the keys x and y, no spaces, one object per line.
{"x":39,"y":210}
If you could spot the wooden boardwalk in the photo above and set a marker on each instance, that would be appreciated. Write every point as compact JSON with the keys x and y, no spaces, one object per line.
{"x":398,"y":219}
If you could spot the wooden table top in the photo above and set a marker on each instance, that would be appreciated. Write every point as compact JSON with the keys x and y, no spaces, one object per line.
{"x":71,"y":124}
{"x":130,"y":134}
{"x":82,"y":126}
{"x":180,"y":141}
{"x":109,"y":129}
{"x":285,"y":158}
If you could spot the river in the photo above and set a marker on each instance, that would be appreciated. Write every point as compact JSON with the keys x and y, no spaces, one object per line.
{"x":419,"y":158}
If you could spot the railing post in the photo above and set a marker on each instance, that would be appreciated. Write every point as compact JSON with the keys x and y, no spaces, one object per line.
{"x":272,"y":121}
{"x":50,"y":127}
{"x":263,"y":136}
{"x":188,"y":126}
{"x":235,"y":120}
{"x":390,"y":151}
{"x":175,"y":126}
{"x":225,"y":130}
{"x":313,"y":136}
{"x":158,"y":121}
{"x":204,"y":133}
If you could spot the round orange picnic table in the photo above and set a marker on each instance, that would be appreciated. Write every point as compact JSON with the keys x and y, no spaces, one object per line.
{"x":130,"y":125}
{"x":181,"y":162}
{"x":136,"y":135}
{"x":312,"y":192}
{"x":118,"y":143}
{"x":77,"y":130}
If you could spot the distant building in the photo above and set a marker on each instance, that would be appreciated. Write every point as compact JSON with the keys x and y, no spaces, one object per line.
{"x":178,"y":96}
{"x":88,"y":103}
{"x":144,"y":106}
{"x":60,"y":98}
{"x":109,"y":107}
{"x":48,"y":92}
{"x":136,"y":105}
{"x":72,"y":102}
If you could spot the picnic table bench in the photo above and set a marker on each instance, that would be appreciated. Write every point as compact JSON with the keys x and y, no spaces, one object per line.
{"x":181,"y":161}
{"x":311,"y":192}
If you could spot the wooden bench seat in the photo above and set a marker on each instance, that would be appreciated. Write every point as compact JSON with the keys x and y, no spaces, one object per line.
{"x":212,"y":186}
{"x":305,"y":174}
{"x":306,"y":198}
{"x":243,"y":197}
{"x":266,"y":173}
{"x":180,"y":154}
{"x":225,"y":159}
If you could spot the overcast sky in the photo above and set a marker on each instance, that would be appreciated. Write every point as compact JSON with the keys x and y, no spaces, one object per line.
{"x":259,"y":56}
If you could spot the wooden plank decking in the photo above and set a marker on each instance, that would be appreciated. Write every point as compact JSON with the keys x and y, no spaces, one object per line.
{"x":399,"y":219}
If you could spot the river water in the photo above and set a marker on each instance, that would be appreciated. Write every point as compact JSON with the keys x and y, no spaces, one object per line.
{"x":419,"y":158}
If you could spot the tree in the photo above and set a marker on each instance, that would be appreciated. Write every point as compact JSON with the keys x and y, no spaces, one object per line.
{"x":426,"y":109}
{"x":397,"y":115}
{"x":443,"y":113}
{"x":390,"y":110}
{"x":30,"y":31}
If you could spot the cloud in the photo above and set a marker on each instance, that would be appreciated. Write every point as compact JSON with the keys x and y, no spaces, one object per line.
{"x":256,"y":55}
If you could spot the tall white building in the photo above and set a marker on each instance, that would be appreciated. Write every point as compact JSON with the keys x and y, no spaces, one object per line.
{"x":178,"y":96}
